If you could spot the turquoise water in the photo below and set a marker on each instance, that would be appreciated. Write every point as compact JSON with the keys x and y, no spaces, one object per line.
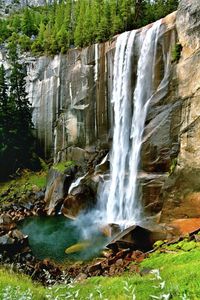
{"x":50,"y":236}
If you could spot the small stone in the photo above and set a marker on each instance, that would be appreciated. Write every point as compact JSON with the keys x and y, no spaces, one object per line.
{"x":119,"y":262}
{"x":81,"y":277}
{"x":95,"y":267}
{"x":138,"y":256}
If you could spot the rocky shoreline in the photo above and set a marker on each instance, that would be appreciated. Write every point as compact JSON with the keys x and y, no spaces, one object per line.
{"x":17,"y":254}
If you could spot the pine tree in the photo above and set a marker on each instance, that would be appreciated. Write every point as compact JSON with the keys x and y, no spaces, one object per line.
{"x":3,"y":88}
{"x":22,"y":138}
{"x":79,"y":32}
{"x":88,"y":30}
{"x":7,"y":128}
{"x":27,"y":23}
{"x":3,"y":111}
{"x":38,"y":44}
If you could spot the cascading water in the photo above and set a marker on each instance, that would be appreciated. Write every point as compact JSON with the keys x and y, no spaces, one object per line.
{"x":118,"y":196}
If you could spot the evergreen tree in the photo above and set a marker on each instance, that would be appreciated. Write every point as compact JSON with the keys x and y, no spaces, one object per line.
{"x":3,"y":88}
{"x":27,"y":23}
{"x":88,"y":30}
{"x":21,"y":138}
{"x":78,"y":34}
{"x":55,"y":27}
{"x":7,"y":128}
{"x":63,"y":39}
{"x":3,"y":111}
{"x":38,"y":44}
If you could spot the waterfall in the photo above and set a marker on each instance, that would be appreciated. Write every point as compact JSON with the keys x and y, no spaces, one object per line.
{"x":119,"y":195}
{"x":76,"y":183}
{"x":96,"y":53}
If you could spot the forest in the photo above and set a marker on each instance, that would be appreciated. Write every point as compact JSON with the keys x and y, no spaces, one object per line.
{"x":56,"y":28}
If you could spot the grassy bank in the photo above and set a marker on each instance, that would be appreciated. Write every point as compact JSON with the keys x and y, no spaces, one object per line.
{"x":162,"y":276}
{"x":18,"y":287}
{"x":17,"y":188}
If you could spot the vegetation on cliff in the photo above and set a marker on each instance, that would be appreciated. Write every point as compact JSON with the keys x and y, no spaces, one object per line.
{"x":58,"y":27}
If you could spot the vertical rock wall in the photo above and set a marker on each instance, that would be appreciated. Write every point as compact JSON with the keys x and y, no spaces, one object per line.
{"x":69,"y":94}
{"x":181,"y":193}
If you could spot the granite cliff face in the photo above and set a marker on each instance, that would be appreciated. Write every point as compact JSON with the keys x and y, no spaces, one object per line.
{"x":70,"y":98}
{"x":174,"y":144}
{"x":181,"y":193}
{"x":7,"y":6}
{"x":73,"y":114}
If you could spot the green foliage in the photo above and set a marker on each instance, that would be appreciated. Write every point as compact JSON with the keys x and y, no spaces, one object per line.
{"x":15,"y":188}
{"x":56,"y":28}
{"x":175,"y":275}
{"x":16,"y":138}
{"x":166,"y":274}
{"x":16,"y":287}
{"x":177,"y":271}
{"x":183,"y":245}
{"x":44,"y":165}
{"x":62,"y":166}
{"x":176,"y":52}
{"x":24,"y":42}
{"x":172,"y":166}
{"x":158,"y":244}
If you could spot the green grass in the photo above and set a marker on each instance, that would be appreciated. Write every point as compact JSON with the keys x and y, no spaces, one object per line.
{"x":38,"y":180}
{"x":62,"y":166}
{"x":16,"y":287}
{"x":176,"y":275}
{"x":15,"y":188}
{"x":179,"y":273}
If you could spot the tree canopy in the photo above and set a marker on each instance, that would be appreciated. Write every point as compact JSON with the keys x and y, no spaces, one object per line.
{"x":56,"y":28}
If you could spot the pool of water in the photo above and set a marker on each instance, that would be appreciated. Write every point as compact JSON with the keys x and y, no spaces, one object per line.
{"x":49,"y":237}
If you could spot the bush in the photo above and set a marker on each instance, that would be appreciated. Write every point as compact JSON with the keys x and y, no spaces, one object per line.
{"x":176,"y":52}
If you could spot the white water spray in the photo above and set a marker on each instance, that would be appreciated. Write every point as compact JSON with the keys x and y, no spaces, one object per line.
{"x":119,"y":194}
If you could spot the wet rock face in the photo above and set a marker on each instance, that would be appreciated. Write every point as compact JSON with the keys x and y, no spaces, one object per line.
{"x":69,"y":95}
{"x":81,"y":198}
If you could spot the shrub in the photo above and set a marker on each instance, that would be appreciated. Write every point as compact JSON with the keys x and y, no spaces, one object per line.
{"x":176,"y":52}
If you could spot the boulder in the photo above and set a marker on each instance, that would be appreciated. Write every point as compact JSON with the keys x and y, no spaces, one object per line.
{"x":110,"y":230}
{"x":58,"y":184}
{"x":13,"y":242}
{"x":81,"y":198}
{"x":6,"y":223}
{"x":185,"y":226}
{"x":137,"y":238}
